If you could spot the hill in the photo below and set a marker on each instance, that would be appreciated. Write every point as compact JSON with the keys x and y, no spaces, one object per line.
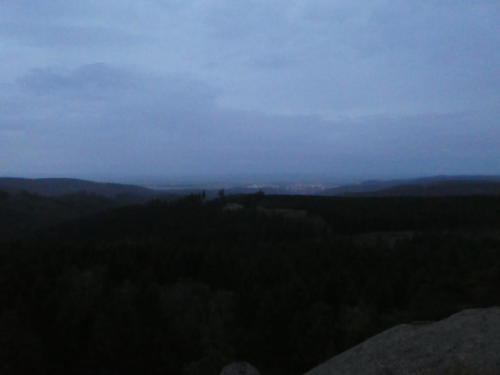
{"x":23,"y":214}
{"x":61,"y":186}
{"x":28,"y":206}
{"x":434,"y":185}
{"x":440,"y":188}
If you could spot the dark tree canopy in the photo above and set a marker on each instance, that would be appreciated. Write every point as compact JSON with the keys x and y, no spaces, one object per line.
{"x":186,"y":287}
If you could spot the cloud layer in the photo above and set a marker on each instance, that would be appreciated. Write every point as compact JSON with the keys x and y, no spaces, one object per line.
{"x":118,"y":88}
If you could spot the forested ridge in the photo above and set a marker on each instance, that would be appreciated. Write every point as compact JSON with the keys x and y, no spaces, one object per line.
{"x":284,"y":282}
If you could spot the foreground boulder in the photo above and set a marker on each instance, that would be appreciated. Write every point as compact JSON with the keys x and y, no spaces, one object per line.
{"x":239,"y":368}
{"x":466,"y":343}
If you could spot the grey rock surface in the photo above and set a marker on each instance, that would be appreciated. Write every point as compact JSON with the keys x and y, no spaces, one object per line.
{"x":465,"y":343}
{"x":239,"y":368}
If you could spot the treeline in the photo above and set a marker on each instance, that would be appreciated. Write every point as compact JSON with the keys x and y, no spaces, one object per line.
{"x":23,"y":213}
{"x":187,"y":286}
{"x":364,"y":214}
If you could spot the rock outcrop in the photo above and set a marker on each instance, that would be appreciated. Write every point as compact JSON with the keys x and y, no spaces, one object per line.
{"x":239,"y":368}
{"x":466,"y":343}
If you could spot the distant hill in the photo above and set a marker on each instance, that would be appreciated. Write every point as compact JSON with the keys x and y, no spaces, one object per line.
{"x":425,"y":186}
{"x":63,"y":186}
{"x":23,"y":214}
{"x":441,"y":188}
{"x":28,"y":206}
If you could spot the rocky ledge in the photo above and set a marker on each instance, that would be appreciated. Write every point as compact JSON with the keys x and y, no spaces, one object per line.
{"x":466,"y":343}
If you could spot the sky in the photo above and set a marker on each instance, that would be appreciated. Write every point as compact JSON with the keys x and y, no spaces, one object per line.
{"x":122,"y":89}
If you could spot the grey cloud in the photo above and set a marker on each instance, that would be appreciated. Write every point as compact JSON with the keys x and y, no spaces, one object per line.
{"x":221,"y":85}
{"x":103,"y":93}
{"x":414,"y":57}
{"x":161,"y":125}
{"x":42,"y":9}
{"x":89,"y":79}
{"x":66,"y":36}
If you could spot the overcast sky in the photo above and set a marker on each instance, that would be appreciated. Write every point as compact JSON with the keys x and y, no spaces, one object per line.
{"x":121,"y":89}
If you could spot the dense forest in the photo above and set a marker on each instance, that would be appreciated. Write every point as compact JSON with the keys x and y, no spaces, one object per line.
{"x":186,"y":286}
